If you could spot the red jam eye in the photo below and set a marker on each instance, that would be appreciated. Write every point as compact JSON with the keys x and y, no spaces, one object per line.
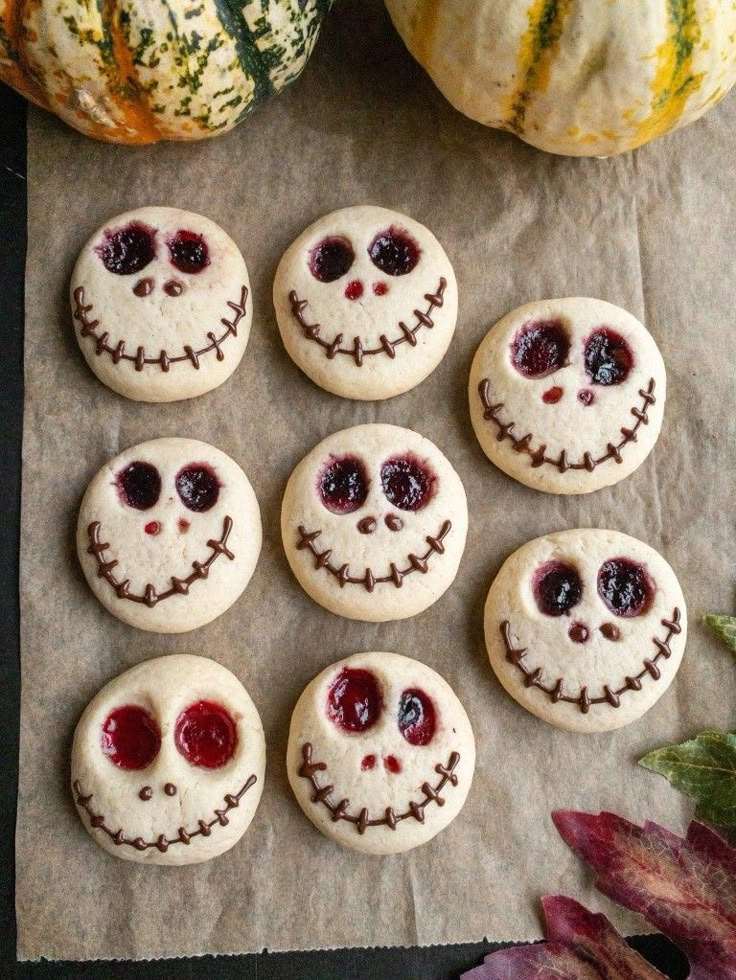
{"x":198,"y":487}
{"x":625,"y":587}
{"x":128,"y":250}
{"x":189,"y":252}
{"x":343,"y":485}
{"x":205,"y":735}
{"x":394,"y":252}
{"x":417,"y":717}
{"x":608,"y":358}
{"x":331,"y":259}
{"x":557,"y":588}
{"x":131,"y":738}
{"x":139,"y":485}
{"x":407,"y":483}
{"x":354,"y":701}
{"x":540,"y":348}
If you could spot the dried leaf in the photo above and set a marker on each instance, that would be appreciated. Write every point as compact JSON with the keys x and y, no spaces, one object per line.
{"x":686,"y":888}
{"x":704,"y":768}
{"x":725,"y":626}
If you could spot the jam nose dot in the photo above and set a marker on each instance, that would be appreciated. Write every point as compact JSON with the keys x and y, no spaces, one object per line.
{"x":367,"y":525}
{"x":354,"y":289}
{"x":393,"y":522}
{"x":153,"y":527}
{"x":184,"y":525}
{"x":368,"y":762}
{"x":173,"y":288}
{"x":170,"y":789}
{"x":578,"y":633}
{"x":380,"y":288}
{"x":611,"y":631}
{"x":391,"y":764}
{"x":144,"y":287}
{"x":586,"y":396}
{"x":145,"y":793}
{"x":552,"y":395}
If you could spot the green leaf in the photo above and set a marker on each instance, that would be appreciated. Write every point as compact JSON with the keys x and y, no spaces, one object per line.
{"x":725,"y":627}
{"x":705,"y":769}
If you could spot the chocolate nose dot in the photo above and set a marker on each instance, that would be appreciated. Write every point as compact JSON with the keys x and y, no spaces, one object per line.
{"x":578,"y":633}
{"x":170,"y":789}
{"x":173,"y":288}
{"x":611,"y":631}
{"x":367,"y":525}
{"x":144,"y":287}
{"x":393,"y":522}
{"x":145,"y":793}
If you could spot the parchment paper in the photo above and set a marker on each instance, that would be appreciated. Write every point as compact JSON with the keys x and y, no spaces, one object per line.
{"x":654,"y":232}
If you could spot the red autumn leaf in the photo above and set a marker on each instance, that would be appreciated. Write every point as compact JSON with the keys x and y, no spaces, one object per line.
{"x":685,"y":887}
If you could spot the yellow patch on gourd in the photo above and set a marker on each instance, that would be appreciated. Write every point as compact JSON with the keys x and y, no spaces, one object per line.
{"x":424,"y":22}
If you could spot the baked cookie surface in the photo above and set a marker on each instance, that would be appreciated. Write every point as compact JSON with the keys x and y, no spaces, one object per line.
{"x":168,"y":762}
{"x":161,"y":304}
{"x":366,"y":302}
{"x":567,"y":395}
{"x":374,"y":521}
{"x":381,"y":753}
{"x":586,"y":628}
{"x":168,"y":535}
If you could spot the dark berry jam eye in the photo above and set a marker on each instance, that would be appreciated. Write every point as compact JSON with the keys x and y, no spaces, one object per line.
{"x":131,"y":738}
{"x":331,"y":259}
{"x":608,"y":358}
{"x":354,"y":701}
{"x":189,"y":252}
{"x":540,"y":348}
{"x":198,"y":487}
{"x":139,"y":485}
{"x":343,"y":485}
{"x":557,"y":588}
{"x":394,"y":252}
{"x":407,"y":483}
{"x":205,"y":735}
{"x":625,"y":587}
{"x":417,"y":718}
{"x":128,"y":250}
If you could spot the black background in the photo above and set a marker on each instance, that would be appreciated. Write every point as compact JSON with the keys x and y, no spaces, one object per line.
{"x":431,"y":963}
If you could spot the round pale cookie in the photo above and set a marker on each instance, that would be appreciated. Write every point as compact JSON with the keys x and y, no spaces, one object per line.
{"x":374,"y":521}
{"x":169,"y":533}
{"x":168,"y":762}
{"x":586,"y":628}
{"x":567,"y":395}
{"x":381,"y":753}
{"x":366,"y":302}
{"x":161,"y":304}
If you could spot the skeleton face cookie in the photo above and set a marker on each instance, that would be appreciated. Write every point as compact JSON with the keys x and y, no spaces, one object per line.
{"x":169,"y":534}
{"x":366,"y":302}
{"x":381,"y":753}
{"x":373,"y":522}
{"x":161,"y":304}
{"x":168,"y":762}
{"x":586,"y":628}
{"x":567,"y":395}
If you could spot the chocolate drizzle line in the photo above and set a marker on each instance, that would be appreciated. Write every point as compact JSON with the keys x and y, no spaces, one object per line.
{"x":323,"y":794}
{"x":369,"y":580}
{"x":162,"y":842}
{"x":582,"y":698}
{"x":538,"y":456}
{"x":179,"y":586}
{"x":357,"y":351}
{"x":117,"y":353}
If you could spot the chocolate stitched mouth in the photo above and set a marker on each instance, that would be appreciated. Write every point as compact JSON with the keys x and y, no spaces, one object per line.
{"x":117,"y":353}
{"x":339,"y":811}
{"x":369,"y":581}
{"x":179,"y":586}
{"x":539,"y":456}
{"x":408,"y":334}
{"x":162,"y":842}
{"x":532,"y":676}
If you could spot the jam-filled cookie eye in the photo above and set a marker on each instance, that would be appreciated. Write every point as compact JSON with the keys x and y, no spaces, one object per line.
{"x":198,"y":487}
{"x":128,"y":250}
{"x":205,"y":734}
{"x":557,"y":588}
{"x":394,"y":252}
{"x":331,"y":259}
{"x":608,"y":358}
{"x":131,"y":738}
{"x":417,"y":717}
{"x":139,"y":485}
{"x":625,"y":587}
{"x":188,"y":252}
{"x":407,"y":483}
{"x":540,"y":348}
{"x":354,"y":701}
{"x":343,"y":485}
